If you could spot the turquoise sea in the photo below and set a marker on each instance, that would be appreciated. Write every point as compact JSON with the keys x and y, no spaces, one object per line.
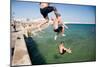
{"x":81,"y":38}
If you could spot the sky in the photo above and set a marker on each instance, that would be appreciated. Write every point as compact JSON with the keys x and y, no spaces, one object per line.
{"x":69,"y":12}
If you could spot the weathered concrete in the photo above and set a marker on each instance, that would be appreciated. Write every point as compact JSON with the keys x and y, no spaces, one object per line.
{"x":21,"y":56}
{"x":20,"y":53}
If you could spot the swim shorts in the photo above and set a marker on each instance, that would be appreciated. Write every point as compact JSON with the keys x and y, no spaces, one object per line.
{"x":58,"y":30}
{"x":46,"y":10}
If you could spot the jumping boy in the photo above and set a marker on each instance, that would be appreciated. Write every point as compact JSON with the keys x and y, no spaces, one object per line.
{"x":58,"y":26}
{"x":45,"y":9}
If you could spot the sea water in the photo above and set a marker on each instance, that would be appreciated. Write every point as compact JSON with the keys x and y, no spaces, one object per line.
{"x":81,"y":38}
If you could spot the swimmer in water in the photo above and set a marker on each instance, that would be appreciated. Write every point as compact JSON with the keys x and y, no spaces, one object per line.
{"x":63,"y":50}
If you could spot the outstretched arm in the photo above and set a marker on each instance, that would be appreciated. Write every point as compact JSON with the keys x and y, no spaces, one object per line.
{"x":65,"y":26}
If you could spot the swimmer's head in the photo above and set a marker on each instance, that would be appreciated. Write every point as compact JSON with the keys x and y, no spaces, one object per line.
{"x":62,"y":42}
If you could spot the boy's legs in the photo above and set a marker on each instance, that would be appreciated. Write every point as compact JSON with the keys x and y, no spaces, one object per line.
{"x":45,"y":11}
{"x":62,"y":31}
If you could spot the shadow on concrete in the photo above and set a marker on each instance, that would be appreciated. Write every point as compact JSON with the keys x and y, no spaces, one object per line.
{"x":12,"y":51}
{"x":35,"y":55}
